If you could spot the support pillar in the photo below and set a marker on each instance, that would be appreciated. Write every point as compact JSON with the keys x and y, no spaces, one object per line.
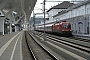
{"x":2,"y":25}
{"x":15,"y":28}
{"x":10,"y":28}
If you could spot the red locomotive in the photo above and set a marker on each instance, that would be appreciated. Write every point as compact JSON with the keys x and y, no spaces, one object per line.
{"x":62,"y":28}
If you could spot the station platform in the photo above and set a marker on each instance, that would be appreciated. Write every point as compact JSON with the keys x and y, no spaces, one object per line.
{"x":84,"y":36}
{"x":11,"y":46}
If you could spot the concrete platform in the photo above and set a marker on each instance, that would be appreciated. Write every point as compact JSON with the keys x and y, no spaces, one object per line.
{"x":82,"y":36}
{"x":11,"y":47}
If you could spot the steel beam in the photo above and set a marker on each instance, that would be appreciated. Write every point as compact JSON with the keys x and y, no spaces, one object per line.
{"x":10,"y":11}
{"x":19,"y":20}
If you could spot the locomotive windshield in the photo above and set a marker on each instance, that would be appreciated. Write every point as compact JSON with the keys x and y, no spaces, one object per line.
{"x":66,"y":25}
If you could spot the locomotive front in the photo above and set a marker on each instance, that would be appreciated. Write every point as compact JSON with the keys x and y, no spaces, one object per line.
{"x":66,"y":28}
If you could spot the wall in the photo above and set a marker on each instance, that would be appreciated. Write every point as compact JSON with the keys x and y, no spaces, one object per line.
{"x":53,"y":12}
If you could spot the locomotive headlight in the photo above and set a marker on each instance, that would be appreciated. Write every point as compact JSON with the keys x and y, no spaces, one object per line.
{"x":70,"y":30}
{"x":62,"y":30}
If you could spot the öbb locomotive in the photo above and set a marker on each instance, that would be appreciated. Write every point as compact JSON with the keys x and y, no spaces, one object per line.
{"x":62,"y":28}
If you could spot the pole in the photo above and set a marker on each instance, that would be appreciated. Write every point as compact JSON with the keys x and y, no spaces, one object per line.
{"x":85,"y":26}
{"x":44,"y":19}
{"x":34,"y":20}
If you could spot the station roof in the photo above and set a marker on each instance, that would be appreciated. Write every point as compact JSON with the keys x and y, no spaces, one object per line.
{"x":71,"y":8}
{"x":19,"y":7}
{"x":63,"y":5}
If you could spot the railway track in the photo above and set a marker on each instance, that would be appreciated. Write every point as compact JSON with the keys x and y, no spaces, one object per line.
{"x":80,"y":39}
{"x":78,"y":46}
{"x":37,"y":51}
{"x":78,"y":43}
{"x":71,"y":44}
{"x":75,"y":38}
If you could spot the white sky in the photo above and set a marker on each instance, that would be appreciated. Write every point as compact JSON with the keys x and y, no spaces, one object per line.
{"x":48,"y":5}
